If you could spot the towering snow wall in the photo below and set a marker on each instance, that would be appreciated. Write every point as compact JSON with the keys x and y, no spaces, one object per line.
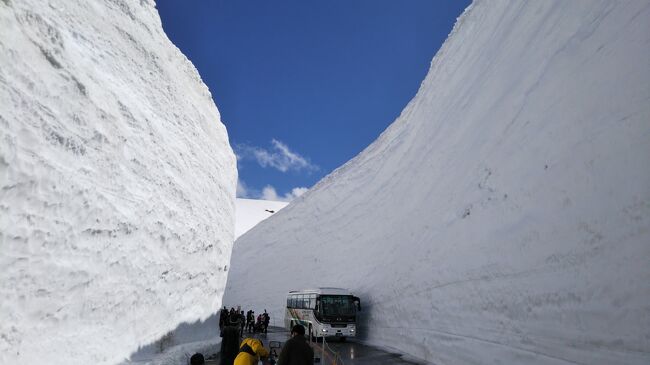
{"x":117,"y":183}
{"x":504,"y":217}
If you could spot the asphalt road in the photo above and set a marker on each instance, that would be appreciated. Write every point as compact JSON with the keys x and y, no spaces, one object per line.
{"x":349,"y":352}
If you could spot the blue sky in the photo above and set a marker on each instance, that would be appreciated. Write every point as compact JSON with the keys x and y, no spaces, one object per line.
{"x":303,"y":86}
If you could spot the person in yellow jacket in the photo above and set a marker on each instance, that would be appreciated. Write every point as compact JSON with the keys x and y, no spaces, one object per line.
{"x":250,"y":351}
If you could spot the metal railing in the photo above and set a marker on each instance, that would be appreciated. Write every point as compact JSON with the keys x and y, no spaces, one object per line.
{"x":329,"y":356}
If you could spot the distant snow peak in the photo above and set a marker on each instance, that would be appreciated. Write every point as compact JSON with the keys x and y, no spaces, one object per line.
{"x":251,"y":212}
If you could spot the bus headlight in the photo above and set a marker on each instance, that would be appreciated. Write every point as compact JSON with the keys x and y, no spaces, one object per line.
{"x":351,"y":329}
{"x":324,"y":330}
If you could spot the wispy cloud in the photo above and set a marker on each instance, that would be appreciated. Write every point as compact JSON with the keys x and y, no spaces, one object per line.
{"x":279,"y":157}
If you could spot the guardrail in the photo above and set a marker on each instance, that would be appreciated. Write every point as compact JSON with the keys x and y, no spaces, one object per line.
{"x":328,"y":355}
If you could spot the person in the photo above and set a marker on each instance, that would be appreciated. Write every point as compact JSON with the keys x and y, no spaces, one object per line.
{"x":259,"y":325}
{"x":197,"y":359}
{"x":234,"y":319}
{"x":250,"y":352}
{"x":296,"y":350}
{"x":250,"y":320}
{"x":223,"y":316}
{"x":229,"y":345}
{"x":267,"y":319}
{"x":242,"y":324}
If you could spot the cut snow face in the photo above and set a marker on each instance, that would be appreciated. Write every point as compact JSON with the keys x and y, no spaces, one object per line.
{"x":250,"y":212}
{"x":117,"y":183}
{"x":503,"y":217}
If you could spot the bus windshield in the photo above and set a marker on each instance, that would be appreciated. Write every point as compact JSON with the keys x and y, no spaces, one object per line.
{"x":337,"y":305}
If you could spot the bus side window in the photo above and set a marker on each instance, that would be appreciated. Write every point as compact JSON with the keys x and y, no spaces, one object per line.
{"x":312,"y":301}
{"x":303,"y":301}
{"x":292,"y":300}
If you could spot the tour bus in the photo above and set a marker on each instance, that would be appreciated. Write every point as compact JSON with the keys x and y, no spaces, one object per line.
{"x":324,"y":312}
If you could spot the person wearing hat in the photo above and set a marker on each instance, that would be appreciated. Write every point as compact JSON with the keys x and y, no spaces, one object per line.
{"x":296,"y":351}
{"x":250,"y":352}
{"x":197,"y":359}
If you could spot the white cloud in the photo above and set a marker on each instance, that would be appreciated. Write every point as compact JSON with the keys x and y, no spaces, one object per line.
{"x":296,"y":192}
{"x":279,"y":157}
{"x":243,"y":191}
{"x":269,"y":193}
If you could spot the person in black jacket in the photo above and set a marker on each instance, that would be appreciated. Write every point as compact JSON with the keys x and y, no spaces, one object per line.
{"x":229,"y":345}
{"x":296,"y":351}
{"x":223,"y":316}
{"x":266,"y":319}
{"x":197,"y":359}
{"x":250,"y":320}
{"x":242,"y":324}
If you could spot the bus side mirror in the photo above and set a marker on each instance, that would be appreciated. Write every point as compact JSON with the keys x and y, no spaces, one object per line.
{"x":357,"y":301}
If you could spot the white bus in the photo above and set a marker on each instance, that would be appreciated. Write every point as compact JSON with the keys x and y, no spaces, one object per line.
{"x":324,"y":312}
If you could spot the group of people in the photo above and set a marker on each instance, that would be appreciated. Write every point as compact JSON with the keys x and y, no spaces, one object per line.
{"x":259,"y":325}
{"x":296,"y":351}
{"x":235,"y":318}
{"x":249,"y":350}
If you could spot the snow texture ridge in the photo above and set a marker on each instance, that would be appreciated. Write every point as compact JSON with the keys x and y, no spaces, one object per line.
{"x":504,"y":217}
{"x":117,"y":183}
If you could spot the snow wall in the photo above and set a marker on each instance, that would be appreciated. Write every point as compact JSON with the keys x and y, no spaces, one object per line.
{"x":117,"y":183}
{"x":504,"y":217}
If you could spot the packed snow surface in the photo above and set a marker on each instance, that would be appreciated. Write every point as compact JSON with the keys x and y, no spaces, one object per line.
{"x":117,"y":183}
{"x":504,"y":217}
{"x":249,"y":212}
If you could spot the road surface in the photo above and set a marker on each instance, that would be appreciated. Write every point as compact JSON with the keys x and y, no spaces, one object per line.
{"x":349,"y":352}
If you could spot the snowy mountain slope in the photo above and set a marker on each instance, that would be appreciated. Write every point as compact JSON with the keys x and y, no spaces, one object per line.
{"x":249,"y":212}
{"x":504,"y":217}
{"x":117,"y":183}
